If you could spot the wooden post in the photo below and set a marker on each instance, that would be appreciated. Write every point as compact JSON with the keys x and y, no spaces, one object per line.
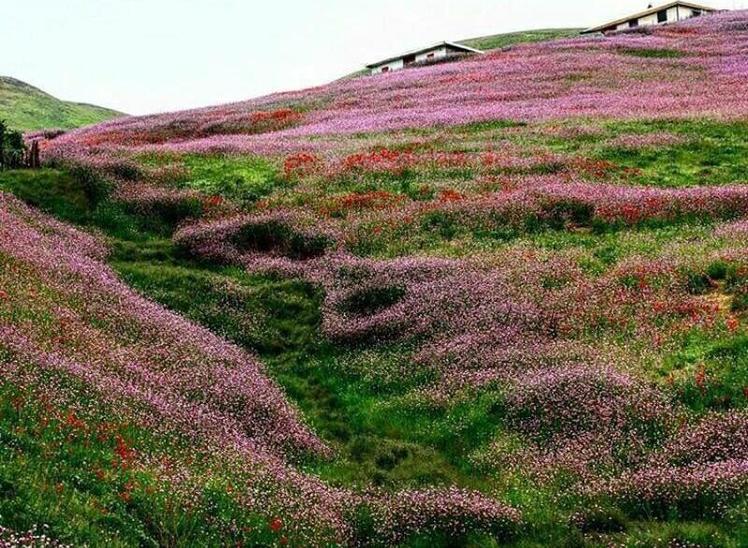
{"x":34,"y":162}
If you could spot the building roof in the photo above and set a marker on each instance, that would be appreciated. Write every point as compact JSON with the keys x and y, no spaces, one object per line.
{"x":649,"y":11}
{"x":455,"y":45}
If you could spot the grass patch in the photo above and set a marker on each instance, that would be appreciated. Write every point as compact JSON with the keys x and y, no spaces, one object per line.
{"x":50,"y":190}
{"x":525,"y":37}
{"x":714,"y":153}
{"x":708,"y":374}
{"x":651,"y":53}
{"x":245,"y":179}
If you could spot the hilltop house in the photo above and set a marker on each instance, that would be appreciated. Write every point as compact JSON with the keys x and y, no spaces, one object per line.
{"x":440,"y":51}
{"x":667,"y":13}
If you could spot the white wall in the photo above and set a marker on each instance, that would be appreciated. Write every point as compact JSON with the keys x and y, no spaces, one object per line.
{"x":673,"y":14}
{"x":438,"y":53}
{"x":392,"y":65}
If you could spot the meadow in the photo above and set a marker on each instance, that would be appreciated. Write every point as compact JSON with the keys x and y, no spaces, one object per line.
{"x":495,"y":302}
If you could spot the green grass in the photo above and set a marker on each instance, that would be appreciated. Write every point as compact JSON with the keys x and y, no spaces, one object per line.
{"x":724,"y":365}
{"x":242,"y":179}
{"x":26,"y":108}
{"x":496,"y":41}
{"x":714,"y":153}
{"x":50,"y":190}
{"x":652,"y":53}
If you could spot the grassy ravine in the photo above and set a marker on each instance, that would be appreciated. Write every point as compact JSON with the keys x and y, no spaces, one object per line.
{"x":380,"y":439}
{"x":26,"y":108}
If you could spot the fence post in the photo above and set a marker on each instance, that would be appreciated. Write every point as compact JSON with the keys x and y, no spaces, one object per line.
{"x":34,"y":162}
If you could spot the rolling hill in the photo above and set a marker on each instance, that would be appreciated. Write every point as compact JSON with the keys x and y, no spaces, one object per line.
{"x":487,"y":43}
{"x":27,"y":108}
{"x":496,"y":302}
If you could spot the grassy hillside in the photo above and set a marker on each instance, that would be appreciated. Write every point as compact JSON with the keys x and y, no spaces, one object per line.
{"x":25,"y":107}
{"x":501,"y":302}
{"x":486,"y":43}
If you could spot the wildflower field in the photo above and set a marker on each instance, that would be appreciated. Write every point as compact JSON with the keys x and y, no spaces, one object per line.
{"x":502,"y":301}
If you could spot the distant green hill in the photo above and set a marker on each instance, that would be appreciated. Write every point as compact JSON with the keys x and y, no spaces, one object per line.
{"x":496,"y":41}
{"x":25,"y":107}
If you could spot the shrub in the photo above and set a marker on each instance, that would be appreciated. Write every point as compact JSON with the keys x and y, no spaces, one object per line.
{"x":273,"y":236}
{"x":371,"y":300}
{"x":12,"y":148}
{"x":93,"y":184}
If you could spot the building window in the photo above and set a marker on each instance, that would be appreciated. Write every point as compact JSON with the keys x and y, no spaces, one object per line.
{"x":430,"y":56}
{"x":385,"y":69}
{"x":633,"y":23}
{"x":696,"y":13}
{"x":662,"y":16}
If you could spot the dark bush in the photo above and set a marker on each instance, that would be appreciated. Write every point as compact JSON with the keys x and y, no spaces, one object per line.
{"x":169,"y":212}
{"x":275,"y":237}
{"x":95,"y":187}
{"x":12,"y":148}
{"x":600,"y":519}
{"x":561,"y":213}
{"x":371,"y":300}
{"x":50,"y":134}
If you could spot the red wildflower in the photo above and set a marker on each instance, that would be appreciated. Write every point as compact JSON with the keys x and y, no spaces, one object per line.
{"x":700,"y":378}
{"x":449,"y":195}
{"x":276,"y":524}
{"x":125,"y":453}
{"x":378,"y":199}
{"x":74,"y":422}
{"x":280,"y":117}
{"x":17,"y":403}
{"x":732,"y":324}
{"x":300,"y":164}
{"x":214,"y":200}
{"x":126,"y":494}
{"x":3,"y":294}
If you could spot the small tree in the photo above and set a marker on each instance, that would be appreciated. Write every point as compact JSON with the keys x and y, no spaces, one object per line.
{"x":3,"y":129}
{"x":12,"y":147}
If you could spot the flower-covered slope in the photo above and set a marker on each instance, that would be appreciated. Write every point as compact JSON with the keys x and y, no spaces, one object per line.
{"x":693,"y":68}
{"x":550,"y":240}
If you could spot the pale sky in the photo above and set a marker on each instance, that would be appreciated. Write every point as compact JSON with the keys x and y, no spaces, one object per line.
{"x":143,"y":56}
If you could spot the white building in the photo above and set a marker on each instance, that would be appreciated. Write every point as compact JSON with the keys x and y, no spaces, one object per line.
{"x":667,"y":13}
{"x":433,"y":53}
